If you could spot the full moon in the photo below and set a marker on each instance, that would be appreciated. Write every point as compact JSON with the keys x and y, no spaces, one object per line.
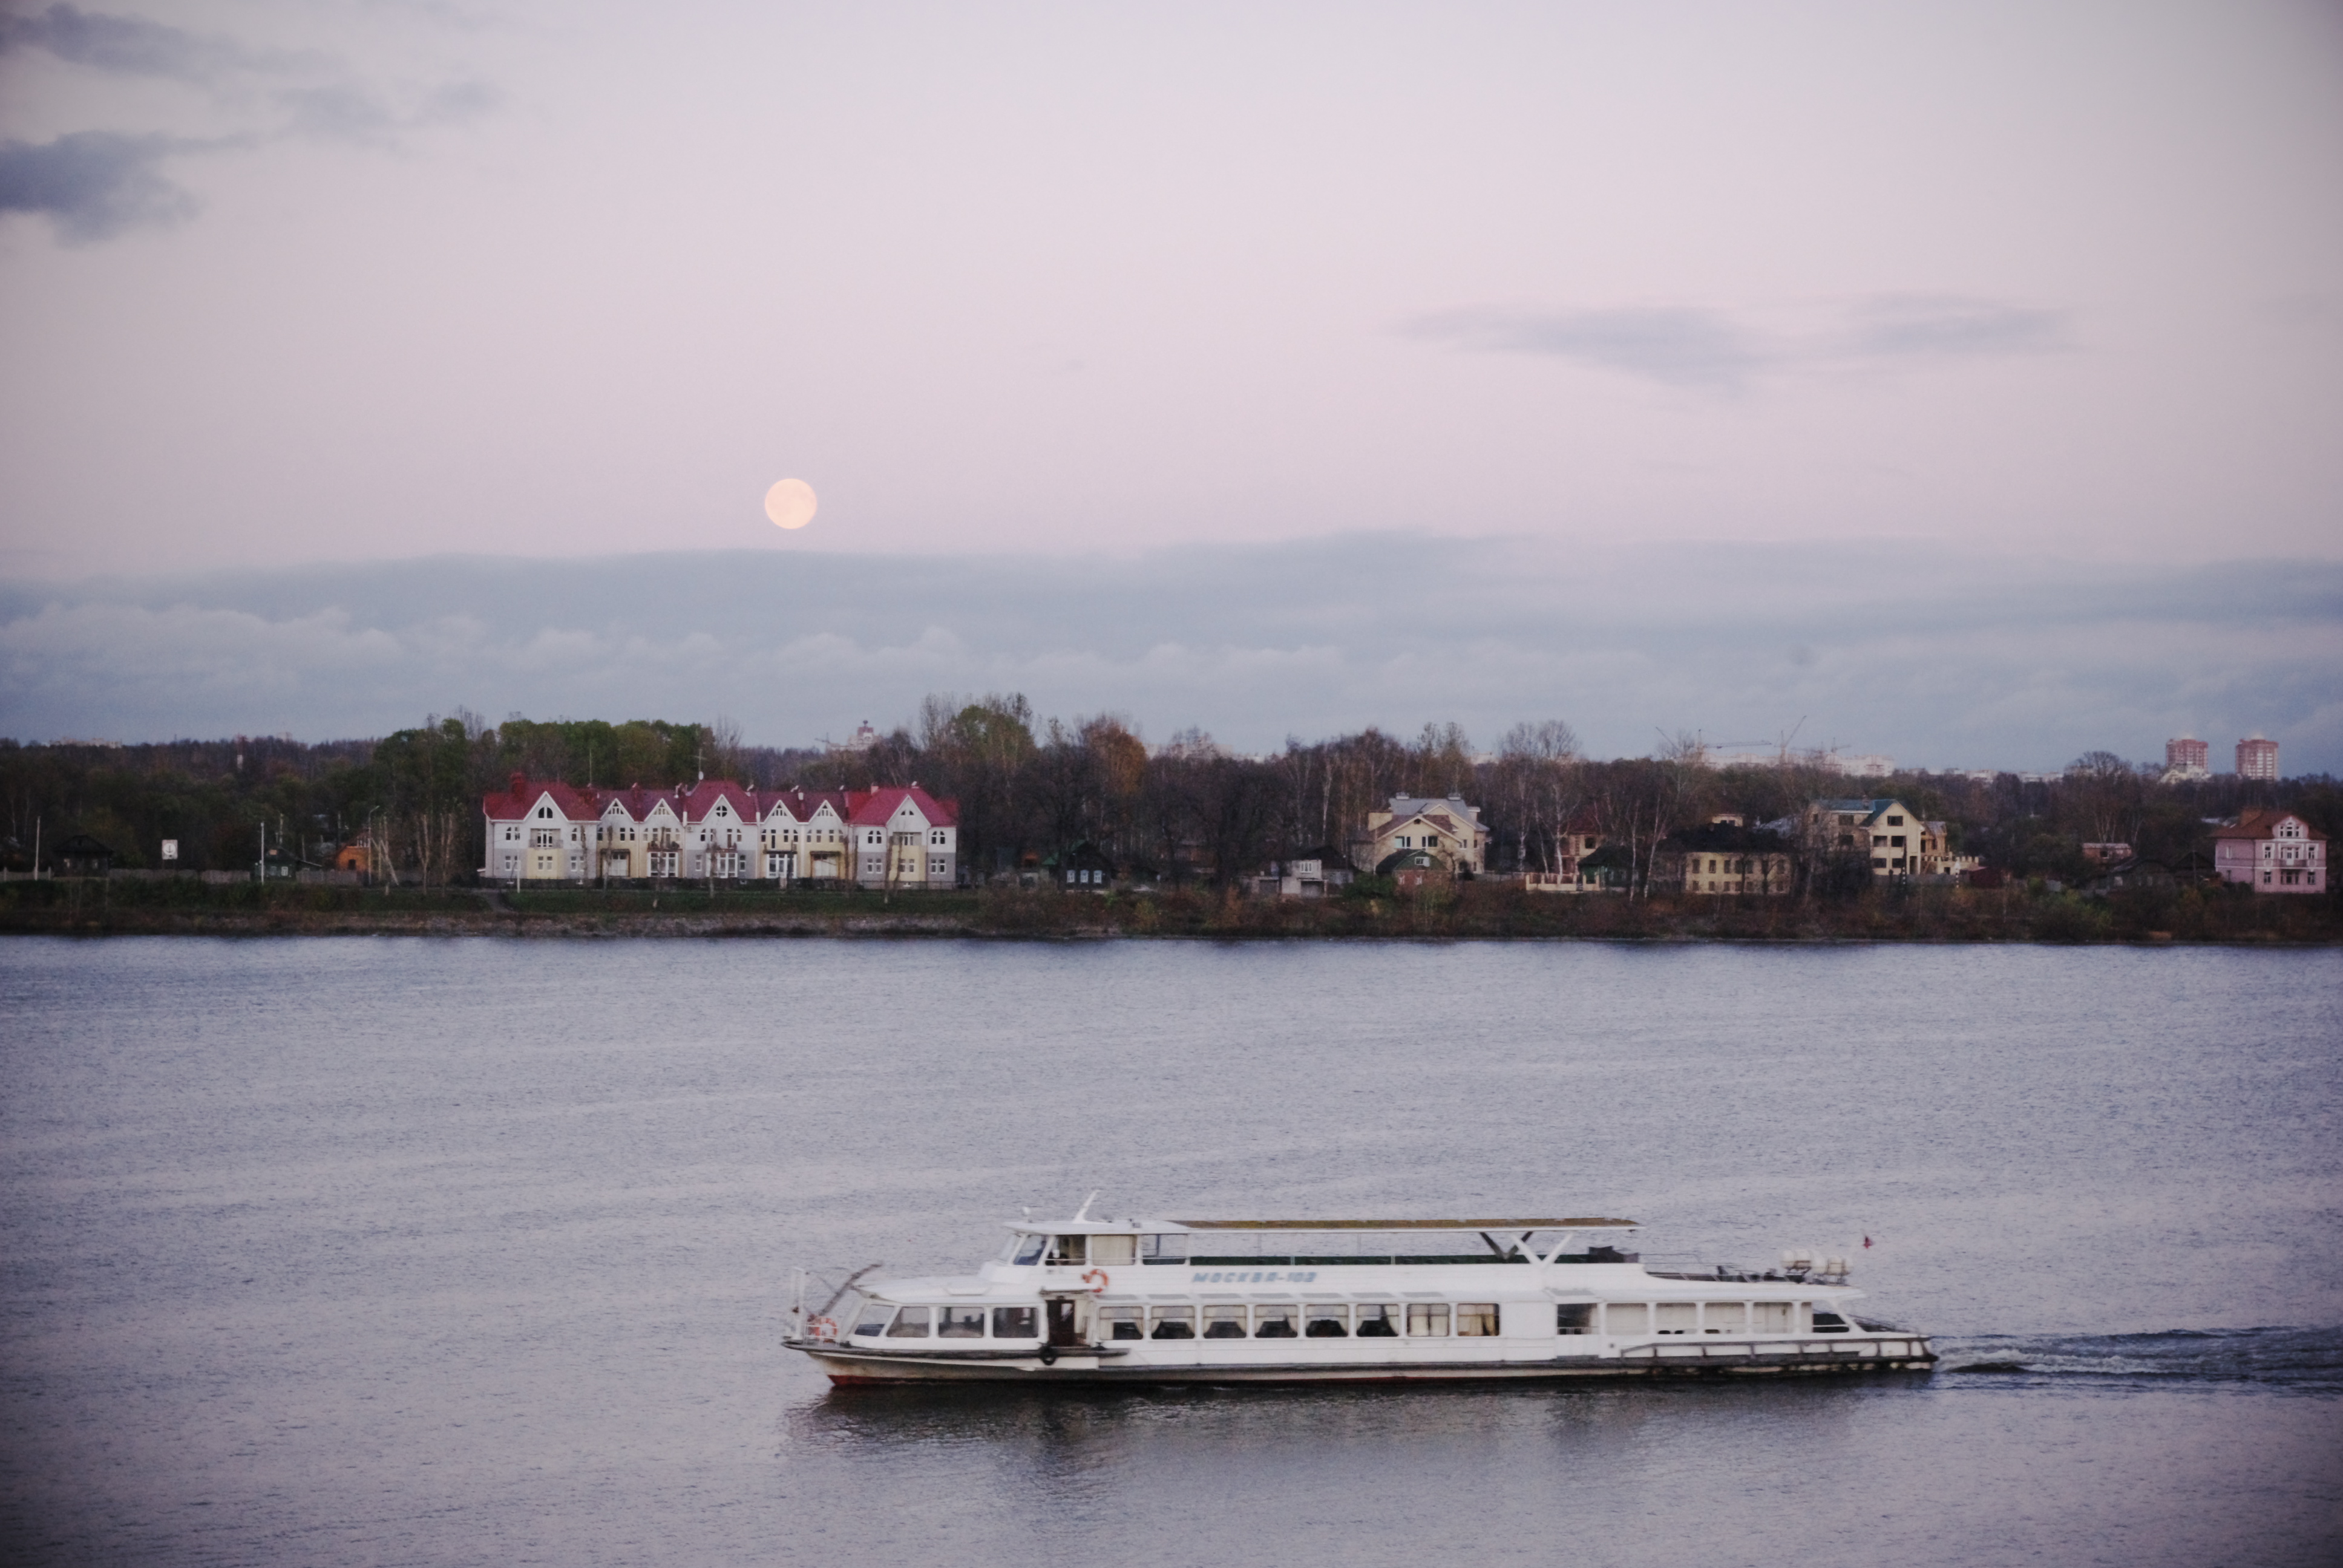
{"x":790,"y":503}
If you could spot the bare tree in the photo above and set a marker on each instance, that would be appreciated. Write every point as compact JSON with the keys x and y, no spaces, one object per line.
{"x":720,"y":749}
{"x":1540,"y":789}
{"x":2105,"y":795}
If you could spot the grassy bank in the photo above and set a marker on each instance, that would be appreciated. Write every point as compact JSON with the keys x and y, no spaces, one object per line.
{"x":1924,"y":914}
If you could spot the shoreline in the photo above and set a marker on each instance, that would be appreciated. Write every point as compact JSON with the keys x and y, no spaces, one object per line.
{"x":1933,"y":915}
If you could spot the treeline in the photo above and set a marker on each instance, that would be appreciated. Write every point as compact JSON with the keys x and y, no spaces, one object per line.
{"x":1187,"y":811}
{"x":1194,"y":811}
{"x":416,"y":792}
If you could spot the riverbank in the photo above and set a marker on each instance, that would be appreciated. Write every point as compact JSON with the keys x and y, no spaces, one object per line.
{"x":1473,"y":911}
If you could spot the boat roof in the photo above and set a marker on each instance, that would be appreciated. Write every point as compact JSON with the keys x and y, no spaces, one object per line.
{"x":1572,"y":1225}
{"x":1127,"y":1227}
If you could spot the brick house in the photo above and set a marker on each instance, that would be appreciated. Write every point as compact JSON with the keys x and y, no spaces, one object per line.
{"x":1887,"y":832}
{"x":1724,"y":858}
{"x":2272,"y":852}
{"x":1311,"y":874}
{"x":1580,"y":837}
{"x":1447,"y":829}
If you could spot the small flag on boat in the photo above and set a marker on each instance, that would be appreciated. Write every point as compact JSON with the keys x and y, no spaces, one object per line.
{"x":1866,"y":1242}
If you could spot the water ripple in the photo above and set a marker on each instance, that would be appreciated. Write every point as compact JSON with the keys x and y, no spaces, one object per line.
{"x":2305,"y":1360}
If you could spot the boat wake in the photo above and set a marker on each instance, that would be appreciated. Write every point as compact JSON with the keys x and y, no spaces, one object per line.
{"x":2301,"y":1360}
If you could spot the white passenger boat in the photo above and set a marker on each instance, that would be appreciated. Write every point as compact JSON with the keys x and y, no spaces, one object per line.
{"x":1278,"y":1301}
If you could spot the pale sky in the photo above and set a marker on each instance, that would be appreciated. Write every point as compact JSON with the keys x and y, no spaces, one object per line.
{"x":297,"y":283}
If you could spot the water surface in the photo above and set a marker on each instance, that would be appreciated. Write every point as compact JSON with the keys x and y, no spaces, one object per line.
{"x":380,"y":1251}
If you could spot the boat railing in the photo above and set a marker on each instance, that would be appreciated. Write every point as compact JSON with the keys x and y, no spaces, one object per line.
{"x":1692,"y":1266}
{"x":1685,"y":1266}
{"x":1348,"y":1260}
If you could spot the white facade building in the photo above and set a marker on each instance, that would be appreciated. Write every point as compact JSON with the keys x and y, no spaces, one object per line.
{"x":898,"y":837}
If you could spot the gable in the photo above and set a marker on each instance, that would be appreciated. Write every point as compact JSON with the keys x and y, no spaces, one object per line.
{"x":1430,"y":821}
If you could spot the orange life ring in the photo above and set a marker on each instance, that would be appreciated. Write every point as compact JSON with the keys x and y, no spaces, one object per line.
{"x":822,"y":1328}
{"x":1095,"y":1279}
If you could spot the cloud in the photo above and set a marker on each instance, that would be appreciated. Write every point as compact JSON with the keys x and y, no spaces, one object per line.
{"x":93,"y":184}
{"x":1894,"y":326}
{"x":132,"y":46}
{"x":352,"y":112}
{"x":1678,"y":347}
{"x":1723,"y":351}
{"x":1935,"y":656}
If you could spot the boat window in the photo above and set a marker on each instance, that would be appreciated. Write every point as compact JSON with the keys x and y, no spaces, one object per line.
{"x":1725,"y":1318}
{"x":1675,"y":1316}
{"x":1326,"y":1323}
{"x":1028,"y":1248}
{"x":1573,"y":1319}
{"x":1067,"y":1249}
{"x":1274,"y":1320}
{"x":1123,"y":1322}
{"x":1628,"y":1318}
{"x":960,"y":1323}
{"x":1425,"y":1321}
{"x":1828,"y":1322}
{"x":1378,"y":1321}
{"x":1171,"y":1247}
{"x":1772,"y":1317}
{"x":1113,"y":1250}
{"x":1477,"y":1317}
{"x":910,"y":1324}
{"x":1224,"y":1322}
{"x":873,"y":1319}
{"x":1016,"y":1323}
{"x":1174,"y":1324}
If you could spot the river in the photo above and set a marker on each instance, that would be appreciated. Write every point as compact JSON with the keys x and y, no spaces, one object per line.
{"x":382,"y":1250}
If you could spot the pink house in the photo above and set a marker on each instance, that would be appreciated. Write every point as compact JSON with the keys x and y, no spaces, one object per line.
{"x":2272,"y":852}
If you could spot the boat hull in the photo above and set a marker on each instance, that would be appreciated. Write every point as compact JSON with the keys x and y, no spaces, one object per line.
{"x":1855,"y":1356}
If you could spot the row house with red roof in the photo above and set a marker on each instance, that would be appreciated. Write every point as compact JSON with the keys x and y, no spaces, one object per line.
{"x":549,"y":831}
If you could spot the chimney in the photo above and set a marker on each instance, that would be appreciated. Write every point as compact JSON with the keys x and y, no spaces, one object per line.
{"x":519,"y":782}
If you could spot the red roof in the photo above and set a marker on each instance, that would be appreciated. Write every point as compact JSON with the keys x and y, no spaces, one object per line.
{"x":697,"y":802}
{"x":875,"y":808}
{"x":2264,"y":824}
{"x":871,"y":807}
{"x":801,"y":804}
{"x":521,"y":797}
{"x":1430,"y":816}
